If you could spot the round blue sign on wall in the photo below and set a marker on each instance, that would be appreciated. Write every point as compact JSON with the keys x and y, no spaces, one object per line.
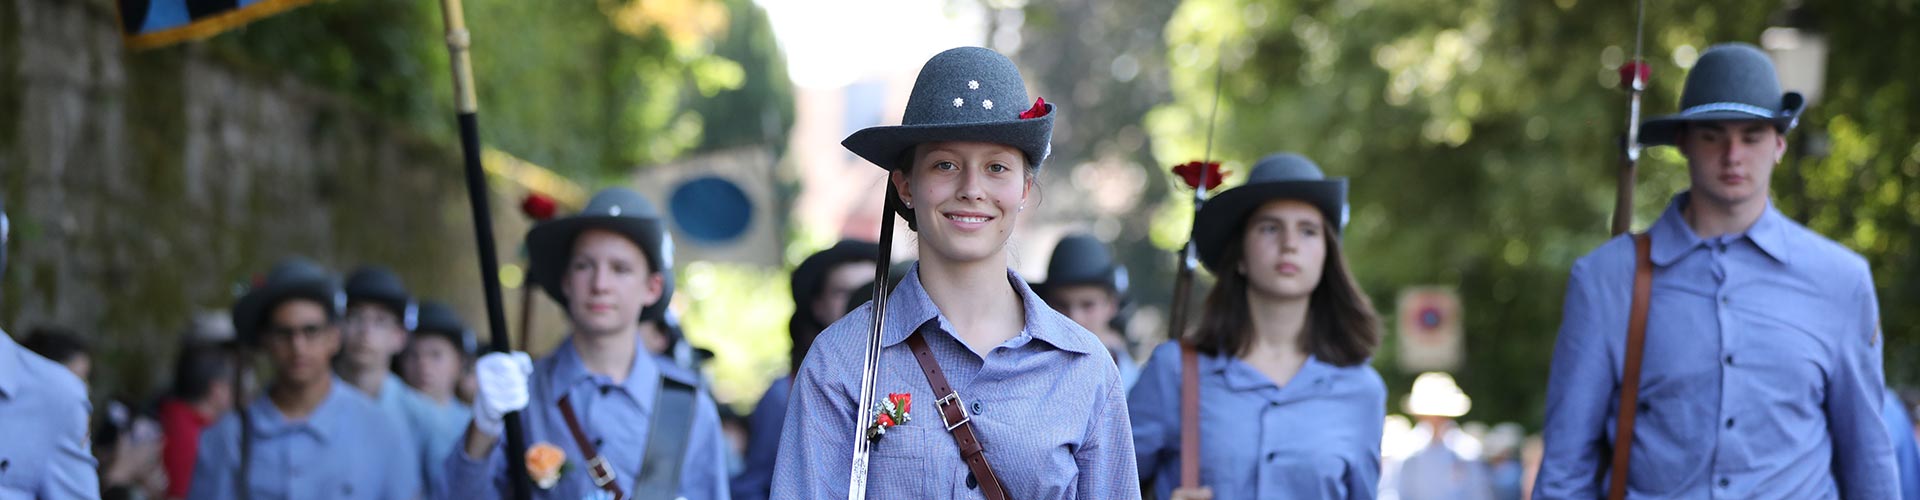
{"x":711,"y":209}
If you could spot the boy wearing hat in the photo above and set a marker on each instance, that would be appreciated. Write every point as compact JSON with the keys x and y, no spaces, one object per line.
{"x":45,"y":407}
{"x":310,"y":433}
{"x":601,"y":402}
{"x":437,"y":355}
{"x":1761,"y":375}
{"x":1084,"y":283}
{"x":379,"y":315}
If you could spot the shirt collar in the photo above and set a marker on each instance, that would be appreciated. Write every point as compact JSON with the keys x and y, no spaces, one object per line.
{"x":568,"y":371}
{"x":1673,"y":238}
{"x":1240,"y":376}
{"x":12,"y":367}
{"x":268,"y":421}
{"x":910,"y":307}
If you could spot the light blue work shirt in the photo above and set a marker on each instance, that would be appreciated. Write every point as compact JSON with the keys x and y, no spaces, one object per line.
{"x":439,"y":434}
{"x":347,"y":448}
{"x":415,"y":416}
{"x":1046,"y":404}
{"x":44,"y":407}
{"x":1761,"y":375}
{"x":763,"y":442}
{"x":1315,"y":436}
{"x":1905,"y":451}
{"x":615,"y":416}
{"x":1439,"y":472}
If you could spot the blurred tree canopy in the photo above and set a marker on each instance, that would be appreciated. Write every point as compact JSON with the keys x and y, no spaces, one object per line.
{"x":1480,"y":136}
{"x":587,"y":88}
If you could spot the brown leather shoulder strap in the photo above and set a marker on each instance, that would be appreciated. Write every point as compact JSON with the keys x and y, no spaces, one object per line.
{"x":1189,"y":416}
{"x":1630,"y":373}
{"x":597,"y":467}
{"x":953,"y":414}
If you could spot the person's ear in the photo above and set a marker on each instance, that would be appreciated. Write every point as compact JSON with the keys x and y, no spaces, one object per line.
{"x":901,"y":186}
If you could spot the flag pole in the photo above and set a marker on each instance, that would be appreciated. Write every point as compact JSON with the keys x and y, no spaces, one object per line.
{"x":467,"y":108}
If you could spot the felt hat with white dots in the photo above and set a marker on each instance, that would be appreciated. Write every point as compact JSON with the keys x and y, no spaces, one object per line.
{"x":969,"y":94}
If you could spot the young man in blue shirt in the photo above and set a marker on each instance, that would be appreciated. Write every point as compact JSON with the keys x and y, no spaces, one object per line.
{"x":1762,"y":372}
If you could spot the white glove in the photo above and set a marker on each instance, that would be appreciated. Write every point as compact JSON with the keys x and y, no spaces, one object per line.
{"x":502,"y":379}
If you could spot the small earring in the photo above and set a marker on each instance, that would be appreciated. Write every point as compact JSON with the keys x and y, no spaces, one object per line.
{"x":909,"y":204}
{"x":1023,"y":208}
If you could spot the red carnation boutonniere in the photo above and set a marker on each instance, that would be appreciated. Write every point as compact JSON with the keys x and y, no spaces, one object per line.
{"x":538,"y":206}
{"x":1039,"y":109}
{"x":896,"y":410}
{"x":1192,"y":171}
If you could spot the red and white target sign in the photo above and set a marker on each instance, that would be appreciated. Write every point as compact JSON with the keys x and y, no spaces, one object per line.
{"x":1429,"y":326}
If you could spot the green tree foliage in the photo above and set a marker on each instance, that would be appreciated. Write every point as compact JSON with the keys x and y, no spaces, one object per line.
{"x":1480,"y":137}
{"x":588,"y":88}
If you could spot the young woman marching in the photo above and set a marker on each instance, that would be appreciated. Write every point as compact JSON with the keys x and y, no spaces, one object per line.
{"x":983,"y":391}
{"x":1288,"y":407}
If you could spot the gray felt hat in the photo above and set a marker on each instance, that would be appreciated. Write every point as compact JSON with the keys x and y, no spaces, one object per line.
{"x":1280,"y":176}
{"x":1733,"y":81}
{"x":963,"y":94}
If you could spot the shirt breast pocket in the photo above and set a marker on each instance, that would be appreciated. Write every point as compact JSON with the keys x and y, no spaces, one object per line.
{"x":898,"y":463}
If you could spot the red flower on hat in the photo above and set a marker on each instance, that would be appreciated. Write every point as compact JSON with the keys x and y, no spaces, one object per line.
{"x":538,"y":206}
{"x":1039,"y":109}
{"x":1193,"y":171}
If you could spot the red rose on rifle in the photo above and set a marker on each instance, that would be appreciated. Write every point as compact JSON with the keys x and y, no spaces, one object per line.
{"x":1192,"y":171}
{"x":538,"y":206}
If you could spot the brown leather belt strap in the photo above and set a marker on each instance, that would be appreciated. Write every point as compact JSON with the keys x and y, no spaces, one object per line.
{"x":1189,"y":416}
{"x":597,"y":467}
{"x":953,"y":413}
{"x":1630,"y":373}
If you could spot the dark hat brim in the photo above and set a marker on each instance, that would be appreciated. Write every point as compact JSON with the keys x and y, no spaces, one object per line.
{"x":251,"y":311}
{"x":550,"y":246}
{"x":1225,"y":215}
{"x":811,"y":274}
{"x":1665,"y":130}
{"x":886,"y":146}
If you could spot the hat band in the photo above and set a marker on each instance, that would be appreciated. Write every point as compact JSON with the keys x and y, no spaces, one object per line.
{"x":1730,"y":106}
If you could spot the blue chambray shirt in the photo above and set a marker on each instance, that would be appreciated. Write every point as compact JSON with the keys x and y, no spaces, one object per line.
{"x":1761,"y":377}
{"x":1046,"y":404}
{"x":763,"y":442}
{"x":1317,"y":436}
{"x":439,"y":434}
{"x":417,"y":418}
{"x":347,"y":448}
{"x":1906,"y":452}
{"x":615,"y":416}
{"x":44,"y":407}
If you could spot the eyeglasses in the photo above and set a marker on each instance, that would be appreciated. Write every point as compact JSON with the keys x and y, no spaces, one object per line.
{"x":308,"y":331}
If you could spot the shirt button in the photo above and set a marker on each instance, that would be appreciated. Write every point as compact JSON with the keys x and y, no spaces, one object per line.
{"x":1729,"y":423}
{"x":1644,"y":407}
{"x":1271,"y":456}
{"x":971,"y":482}
{"x":1726,"y":299}
{"x":1723,"y":482}
{"x":976,"y":407}
{"x":1729,"y":360}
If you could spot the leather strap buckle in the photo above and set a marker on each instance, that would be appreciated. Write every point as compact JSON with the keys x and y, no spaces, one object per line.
{"x":601,"y":473}
{"x":952,"y":399}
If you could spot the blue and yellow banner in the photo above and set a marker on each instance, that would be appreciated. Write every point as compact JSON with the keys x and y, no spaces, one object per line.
{"x":154,"y":23}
